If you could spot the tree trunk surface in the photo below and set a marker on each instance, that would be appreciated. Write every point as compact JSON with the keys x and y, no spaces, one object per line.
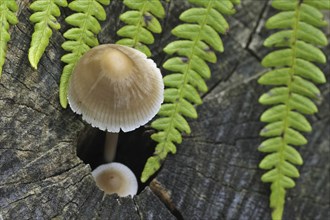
{"x":213,"y":175}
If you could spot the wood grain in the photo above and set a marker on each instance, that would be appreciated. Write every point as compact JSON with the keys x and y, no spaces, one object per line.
{"x":214,"y":174}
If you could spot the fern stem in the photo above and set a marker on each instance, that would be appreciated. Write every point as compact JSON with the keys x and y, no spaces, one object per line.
{"x":185,"y":76}
{"x":278,"y":211}
{"x":138,"y":31}
{"x":198,"y":38}
{"x":139,"y":25}
{"x":7,"y":18}
{"x":44,"y":17}
{"x":84,"y":27}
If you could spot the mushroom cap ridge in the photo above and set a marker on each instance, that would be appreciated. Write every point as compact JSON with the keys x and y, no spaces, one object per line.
{"x":116,"y":87}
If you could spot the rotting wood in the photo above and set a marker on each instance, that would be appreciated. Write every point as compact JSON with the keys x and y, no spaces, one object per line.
{"x":214,"y":174}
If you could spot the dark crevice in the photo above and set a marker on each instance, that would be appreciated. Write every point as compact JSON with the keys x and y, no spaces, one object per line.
{"x":252,"y":53}
{"x":133,"y":149}
{"x":165,"y":197}
{"x":256,"y":26}
{"x":220,"y":81}
{"x":137,"y":208}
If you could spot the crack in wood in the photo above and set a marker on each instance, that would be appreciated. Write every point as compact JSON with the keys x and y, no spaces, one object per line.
{"x":20,"y":82}
{"x":165,"y":196}
{"x":137,"y":208}
{"x":221,"y":80}
{"x":257,"y":25}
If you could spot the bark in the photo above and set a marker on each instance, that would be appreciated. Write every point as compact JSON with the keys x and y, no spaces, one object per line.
{"x":213,"y":175}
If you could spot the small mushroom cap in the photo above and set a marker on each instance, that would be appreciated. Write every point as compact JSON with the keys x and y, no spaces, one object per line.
{"x":115,"y":178}
{"x":116,"y":87}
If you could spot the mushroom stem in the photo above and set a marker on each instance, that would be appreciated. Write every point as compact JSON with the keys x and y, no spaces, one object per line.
{"x":110,"y":146}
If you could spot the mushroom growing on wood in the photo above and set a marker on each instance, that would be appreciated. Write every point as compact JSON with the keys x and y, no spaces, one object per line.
{"x":115,"y":178}
{"x":115,"y":88}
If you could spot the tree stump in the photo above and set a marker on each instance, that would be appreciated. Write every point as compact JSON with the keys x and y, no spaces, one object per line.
{"x":213,"y":175}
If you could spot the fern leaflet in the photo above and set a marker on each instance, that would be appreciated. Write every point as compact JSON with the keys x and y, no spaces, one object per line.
{"x":199,"y":36}
{"x":141,"y":23}
{"x":7,"y":17}
{"x":294,"y":75}
{"x":45,"y":13}
{"x":80,"y":38}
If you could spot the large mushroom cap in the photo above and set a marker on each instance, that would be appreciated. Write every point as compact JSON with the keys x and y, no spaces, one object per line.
{"x":116,"y":87}
{"x":115,"y":178}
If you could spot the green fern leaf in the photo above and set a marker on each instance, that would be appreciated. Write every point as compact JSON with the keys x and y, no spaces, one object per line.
{"x":198,"y":39}
{"x":7,"y":18}
{"x":235,"y":2}
{"x":320,"y":4}
{"x":312,"y":16}
{"x":295,"y":119}
{"x":192,"y":31}
{"x":215,"y":20}
{"x":144,"y":37}
{"x":149,"y":21}
{"x":141,"y":23}
{"x":304,"y":87}
{"x":309,"y":70}
{"x":80,"y":38}
{"x":294,"y":75}
{"x":292,"y":155}
{"x":44,"y":17}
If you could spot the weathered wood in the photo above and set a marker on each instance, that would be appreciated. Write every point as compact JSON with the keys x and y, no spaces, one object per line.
{"x":214,"y":174}
{"x":222,"y":176}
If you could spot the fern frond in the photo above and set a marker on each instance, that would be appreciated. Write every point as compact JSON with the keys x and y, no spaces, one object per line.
{"x":198,"y":39}
{"x":7,"y":17}
{"x":236,"y":2}
{"x":80,"y":38}
{"x":44,"y":17}
{"x":294,"y":76}
{"x":141,"y":23}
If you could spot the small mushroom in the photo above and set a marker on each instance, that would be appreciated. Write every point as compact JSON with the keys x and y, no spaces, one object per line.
{"x":115,"y":178}
{"x":115,"y":88}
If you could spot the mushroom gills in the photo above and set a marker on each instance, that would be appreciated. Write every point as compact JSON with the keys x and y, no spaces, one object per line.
{"x":116,"y":87}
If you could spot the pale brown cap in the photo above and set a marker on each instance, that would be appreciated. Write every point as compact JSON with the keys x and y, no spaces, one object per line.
{"x":116,"y":87}
{"x":115,"y":178}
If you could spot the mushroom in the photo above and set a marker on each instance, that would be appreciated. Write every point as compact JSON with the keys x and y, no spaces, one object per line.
{"x":115,"y":178}
{"x":115,"y":88}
